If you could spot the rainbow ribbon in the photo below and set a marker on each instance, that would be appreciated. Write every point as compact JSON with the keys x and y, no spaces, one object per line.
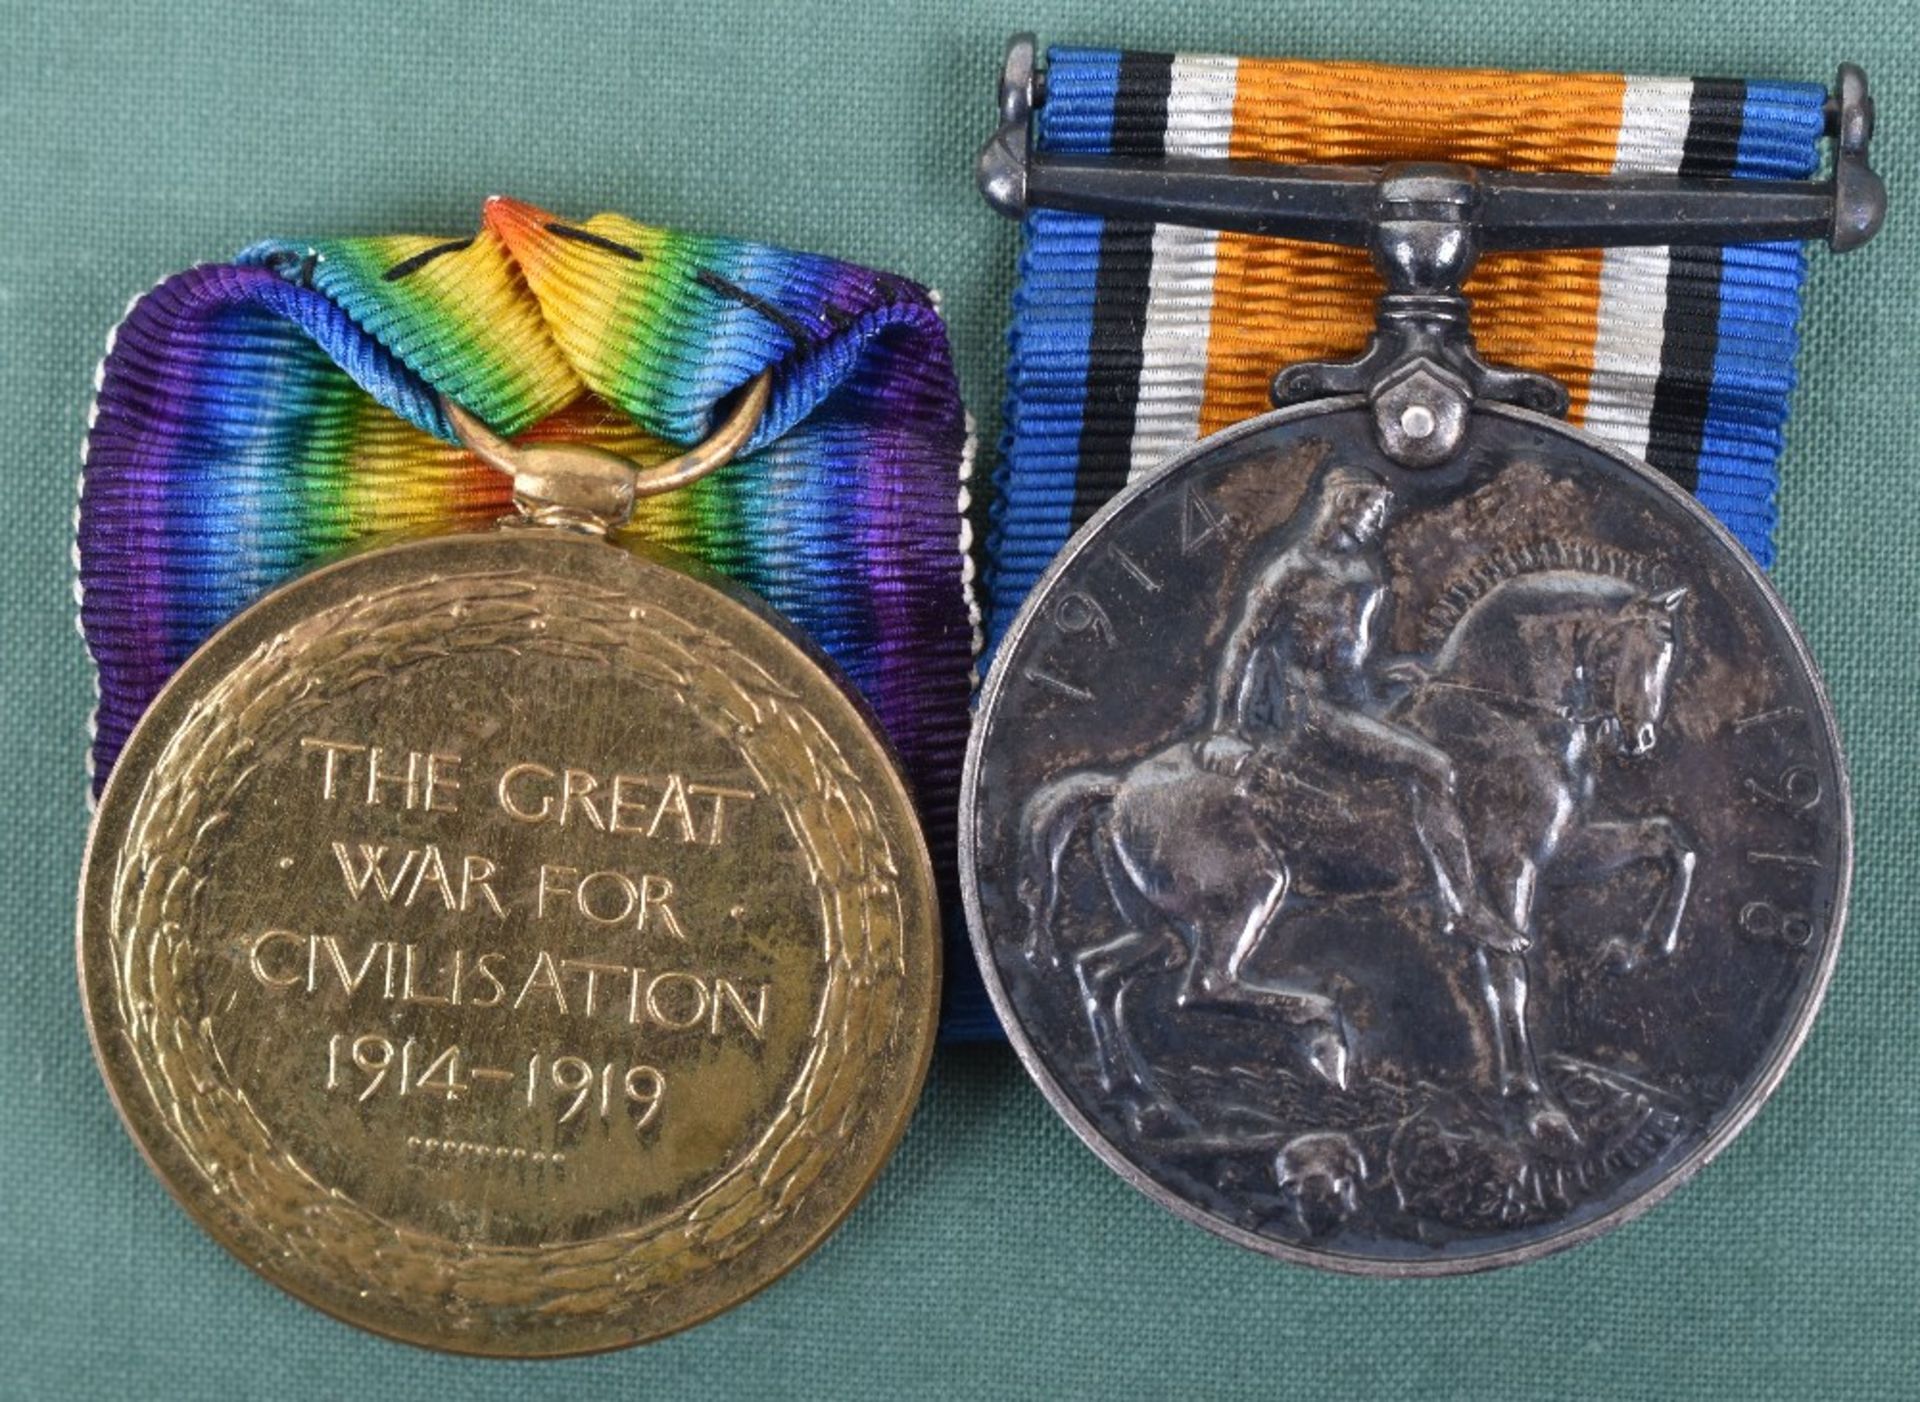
{"x":1133,"y":340}
{"x":257,"y":416}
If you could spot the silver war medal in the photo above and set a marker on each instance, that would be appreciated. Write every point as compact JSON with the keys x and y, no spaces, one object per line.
{"x":1405,"y":834}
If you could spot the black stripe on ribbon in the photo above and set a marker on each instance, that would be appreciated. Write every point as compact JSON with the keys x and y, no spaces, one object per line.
{"x":1121,"y":286}
{"x":1682,"y":396}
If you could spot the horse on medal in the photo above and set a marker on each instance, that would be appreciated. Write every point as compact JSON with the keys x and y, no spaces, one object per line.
{"x":1559,"y":658}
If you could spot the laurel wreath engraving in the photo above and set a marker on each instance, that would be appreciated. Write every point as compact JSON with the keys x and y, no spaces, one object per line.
{"x":306,"y":1231}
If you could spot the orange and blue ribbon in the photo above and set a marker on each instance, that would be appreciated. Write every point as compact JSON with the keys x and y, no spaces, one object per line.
{"x":1131,"y":341}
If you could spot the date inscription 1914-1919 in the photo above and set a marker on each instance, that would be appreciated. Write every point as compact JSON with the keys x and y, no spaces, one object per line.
{"x":477,"y":911}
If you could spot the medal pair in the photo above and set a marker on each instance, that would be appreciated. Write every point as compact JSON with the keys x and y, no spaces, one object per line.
{"x":1401,"y":832}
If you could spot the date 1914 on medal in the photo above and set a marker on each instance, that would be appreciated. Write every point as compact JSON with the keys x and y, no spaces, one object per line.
{"x":1404,"y":871}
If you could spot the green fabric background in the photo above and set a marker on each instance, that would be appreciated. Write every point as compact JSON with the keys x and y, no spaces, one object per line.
{"x":995,"y":1256}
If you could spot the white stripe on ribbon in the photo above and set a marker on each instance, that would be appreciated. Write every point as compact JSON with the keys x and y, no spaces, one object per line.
{"x":1173,"y":346}
{"x":1633,"y":281}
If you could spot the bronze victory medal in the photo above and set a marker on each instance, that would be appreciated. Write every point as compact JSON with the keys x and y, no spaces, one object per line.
{"x":1405,"y":870}
{"x":510,"y":943}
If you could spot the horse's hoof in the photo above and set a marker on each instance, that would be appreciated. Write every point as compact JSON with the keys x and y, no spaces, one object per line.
{"x":1327,"y":1054}
{"x":1152,"y":1120}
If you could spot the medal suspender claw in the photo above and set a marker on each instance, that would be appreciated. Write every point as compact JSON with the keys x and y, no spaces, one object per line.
{"x":590,"y":489}
{"x":518,"y":941}
{"x":1402,"y":833}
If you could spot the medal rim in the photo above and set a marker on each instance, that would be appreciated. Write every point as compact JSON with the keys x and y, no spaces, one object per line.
{"x":1783,"y":1050}
{"x":119,"y":1070}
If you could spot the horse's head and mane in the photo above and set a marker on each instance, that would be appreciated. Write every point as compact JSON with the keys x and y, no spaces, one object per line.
{"x":1572,"y":628}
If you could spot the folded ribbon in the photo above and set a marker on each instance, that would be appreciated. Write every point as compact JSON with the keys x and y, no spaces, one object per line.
{"x":255,"y":417}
